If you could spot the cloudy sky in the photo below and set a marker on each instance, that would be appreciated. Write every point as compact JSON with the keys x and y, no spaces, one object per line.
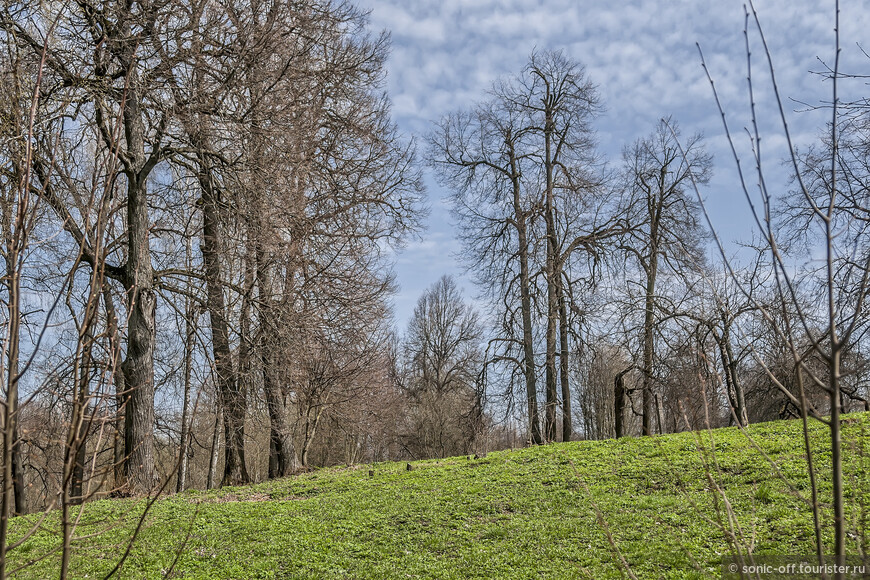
{"x":642,"y":56}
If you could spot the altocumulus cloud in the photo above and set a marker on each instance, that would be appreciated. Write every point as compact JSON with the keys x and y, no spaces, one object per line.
{"x":641,"y":54}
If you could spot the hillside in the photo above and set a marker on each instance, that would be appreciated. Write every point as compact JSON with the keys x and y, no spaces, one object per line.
{"x":529,"y":513}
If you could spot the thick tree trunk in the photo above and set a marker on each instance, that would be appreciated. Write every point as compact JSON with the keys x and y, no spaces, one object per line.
{"x":138,"y":367}
{"x":231,"y":397}
{"x":282,"y":454}
{"x":619,"y":403}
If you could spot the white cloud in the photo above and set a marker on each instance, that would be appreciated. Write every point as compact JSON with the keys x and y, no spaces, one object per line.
{"x":641,"y":53}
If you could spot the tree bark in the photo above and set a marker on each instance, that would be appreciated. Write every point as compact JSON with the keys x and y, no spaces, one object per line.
{"x":741,"y":411}
{"x":79,"y":420}
{"x":619,"y":403}
{"x":649,"y":316}
{"x":231,"y":398}
{"x":550,"y":273}
{"x":215,"y":448}
{"x":13,"y":481}
{"x":567,"y":426}
{"x":138,"y":367}
{"x":282,"y":454}
{"x":184,"y":439}
{"x":525,"y":304}
{"x":120,"y":388}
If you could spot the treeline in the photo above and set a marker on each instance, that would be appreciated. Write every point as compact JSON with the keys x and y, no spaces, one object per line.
{"x":614,"y":311}
{"x":199,"y":204}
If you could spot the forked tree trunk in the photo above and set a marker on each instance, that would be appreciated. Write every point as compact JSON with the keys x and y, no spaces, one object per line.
{"x":282,"y":454}
{"x":138,"y":366}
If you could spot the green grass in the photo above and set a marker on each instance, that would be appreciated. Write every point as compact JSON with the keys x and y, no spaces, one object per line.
{"x":530,"y":513}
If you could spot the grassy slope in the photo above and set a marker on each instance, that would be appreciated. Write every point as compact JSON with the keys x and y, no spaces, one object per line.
{"x":517,"y":514}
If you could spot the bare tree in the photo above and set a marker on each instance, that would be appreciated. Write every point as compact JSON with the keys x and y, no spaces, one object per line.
{"x":442,"y":361}
{"x":520,"y":159}
{"x":478,"y":154}
{"x":842,"y":275}
{"x":118,"y":49}
{"x":666,"y":230}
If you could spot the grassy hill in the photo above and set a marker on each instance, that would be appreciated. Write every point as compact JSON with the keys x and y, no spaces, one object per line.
{"x":542,"y":512}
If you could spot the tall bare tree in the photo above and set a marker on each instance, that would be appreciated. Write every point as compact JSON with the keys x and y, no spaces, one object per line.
{"x":665,"y":219}
{"x":515,"y":162}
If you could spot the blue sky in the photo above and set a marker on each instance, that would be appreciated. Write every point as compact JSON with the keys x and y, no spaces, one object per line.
{"x":642,"y":55}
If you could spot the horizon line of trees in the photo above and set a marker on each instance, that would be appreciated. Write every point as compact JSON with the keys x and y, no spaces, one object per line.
{"x":607,"y":310}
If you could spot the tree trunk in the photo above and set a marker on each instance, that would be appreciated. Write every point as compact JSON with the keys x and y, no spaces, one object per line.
{"x":567,"y":427}
{"x":184,"y":440}
{"x":619,"y":403}
{"x":79,"y":421}
{"x":282,"y":455}
{"x":526,"y":307}
{"x":120,"y":389}
{"x":215,"y":448}
{"x":311,"y":431}
{"x":17,"y":465}
{"x":732,"y":375}
{"x":649,"y":343}
{"x":79,"y":446}
{"x":552,"y":301}
{"x":660,"y":414}
{"x":838,"y":499}
{"x":231,"y":398}
{"x":138,"y":367}
{"x":13,"y":488}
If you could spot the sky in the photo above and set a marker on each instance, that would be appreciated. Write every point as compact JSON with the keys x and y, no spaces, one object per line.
{"x":642,"y":54}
